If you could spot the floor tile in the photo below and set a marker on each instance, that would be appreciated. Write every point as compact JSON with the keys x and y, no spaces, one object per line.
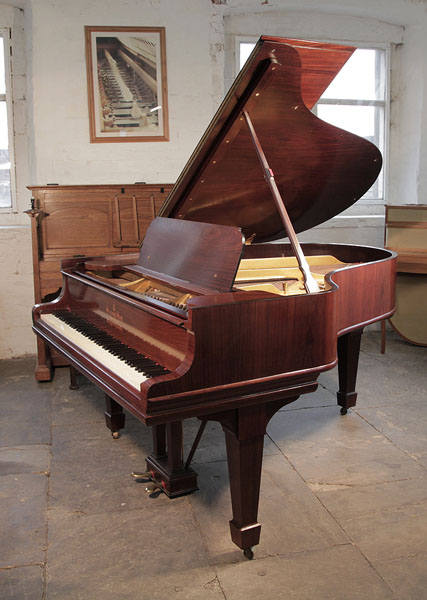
{"x":292,"y":518}
{"x":405,"y":425}
{"x":406,"y":576}
{"x":345,"y":502}
{"x":21,"y":583}
{"x":146,"y":554}
{"x":92,"y":474}
{"x":336,"y":573}
{"x":23,"y":523}
{"x":328,"y":448}
{"x":390,"y":534}
{"x":25,"y":413}
{"x":24,"y":459}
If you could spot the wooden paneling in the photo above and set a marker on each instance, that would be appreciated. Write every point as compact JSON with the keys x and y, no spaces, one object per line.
{"x":85,"y":220}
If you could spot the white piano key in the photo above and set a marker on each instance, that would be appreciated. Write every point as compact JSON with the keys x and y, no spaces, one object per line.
{"x":101,"y":355}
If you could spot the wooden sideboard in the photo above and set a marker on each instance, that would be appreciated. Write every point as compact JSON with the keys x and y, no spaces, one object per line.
{"x":84,"y":220}
{"x":406,"y":234}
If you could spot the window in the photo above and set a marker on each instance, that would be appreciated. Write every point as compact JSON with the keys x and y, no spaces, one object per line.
{"x":6,"y":129}
{"x":354,"y":101}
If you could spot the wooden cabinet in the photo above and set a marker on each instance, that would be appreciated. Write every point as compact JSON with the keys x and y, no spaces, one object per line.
{"x":85,"y":220}
{"x":406,"y":234}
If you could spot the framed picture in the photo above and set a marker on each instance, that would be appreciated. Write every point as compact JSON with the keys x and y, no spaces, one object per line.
{"x":127,"y":89}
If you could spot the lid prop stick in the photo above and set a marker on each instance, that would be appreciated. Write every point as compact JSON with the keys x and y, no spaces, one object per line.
{"x":310,"y":283}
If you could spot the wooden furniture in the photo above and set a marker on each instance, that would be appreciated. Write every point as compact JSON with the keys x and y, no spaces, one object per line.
{"x":202,"y":324}
{"x":84,"y":220}
{"x":406,"y":234}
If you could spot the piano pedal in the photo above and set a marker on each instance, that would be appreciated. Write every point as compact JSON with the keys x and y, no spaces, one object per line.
{"x":154,"y":490}
{"x":139,"y":476}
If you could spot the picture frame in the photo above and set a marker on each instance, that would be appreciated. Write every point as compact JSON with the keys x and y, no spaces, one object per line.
{"x":127,"y":84}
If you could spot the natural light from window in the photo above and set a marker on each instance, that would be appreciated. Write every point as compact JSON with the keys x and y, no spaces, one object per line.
{"x":5,"y":191}
{"x":354,"y":101}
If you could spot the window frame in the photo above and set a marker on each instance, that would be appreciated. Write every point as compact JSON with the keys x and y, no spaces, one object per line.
{"x":6,"y":35}
{"x":378,"y":105}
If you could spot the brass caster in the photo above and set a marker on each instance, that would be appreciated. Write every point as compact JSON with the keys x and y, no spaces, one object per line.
{"x":74,"y":387}
{"x":343,"y":410}
{"x":248,"y":552}
{"x":115,"y":434}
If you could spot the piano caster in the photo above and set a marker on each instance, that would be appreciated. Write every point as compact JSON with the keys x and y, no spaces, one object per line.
{"x":248,"y":552}
{"x":343,"y":410}
{"x":115,"y":434}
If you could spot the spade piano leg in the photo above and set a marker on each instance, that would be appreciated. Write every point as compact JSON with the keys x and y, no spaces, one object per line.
{"x":348,"y":360}
{"x":114,"y":416}
{"x":166,"y":465}
{"x":244,"y":430}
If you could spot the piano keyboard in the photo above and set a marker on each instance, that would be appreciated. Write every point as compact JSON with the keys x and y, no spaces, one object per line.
{"x":127,"y":363}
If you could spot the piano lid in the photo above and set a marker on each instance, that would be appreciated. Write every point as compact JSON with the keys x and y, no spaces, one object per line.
{"x":320,"y":170}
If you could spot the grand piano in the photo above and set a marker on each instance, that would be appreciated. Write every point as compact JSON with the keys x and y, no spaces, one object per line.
{"x":215,"y":318}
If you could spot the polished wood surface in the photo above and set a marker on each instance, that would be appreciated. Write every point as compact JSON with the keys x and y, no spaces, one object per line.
{"x":85,"y":220}
{"x":202,"y":255}
{"x":230,"y":354}
{"x":319,"y":170}
{"x":366,"y":286}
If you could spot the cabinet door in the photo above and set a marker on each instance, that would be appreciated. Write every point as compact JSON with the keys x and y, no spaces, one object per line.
{"x":70,"y":227}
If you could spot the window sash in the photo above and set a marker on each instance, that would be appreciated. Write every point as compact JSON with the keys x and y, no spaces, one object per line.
{"x":376,"y":194}
{"x":5,"y":37}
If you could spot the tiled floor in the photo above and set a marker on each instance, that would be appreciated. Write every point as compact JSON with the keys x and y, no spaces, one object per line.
{"x":343,"y":502}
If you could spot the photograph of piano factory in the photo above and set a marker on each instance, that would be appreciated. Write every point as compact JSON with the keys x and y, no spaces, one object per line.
{"x":127,"y":81}
{"x":123,"y":92}
{"x":213,"y":302}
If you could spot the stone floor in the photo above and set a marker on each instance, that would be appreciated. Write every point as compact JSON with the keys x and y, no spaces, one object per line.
{"x":343,"y":502}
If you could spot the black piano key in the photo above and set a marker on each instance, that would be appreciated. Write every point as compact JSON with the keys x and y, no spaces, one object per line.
{"x":95,"y":333}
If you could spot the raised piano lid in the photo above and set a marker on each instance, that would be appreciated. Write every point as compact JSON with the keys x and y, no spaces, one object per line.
{"x":320,"y":170}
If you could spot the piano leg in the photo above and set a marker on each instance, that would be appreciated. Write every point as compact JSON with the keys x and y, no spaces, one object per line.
{"x":244,"y":431}
{"x":166,"y":465}
{"x":43,"y":370}
{"x":348,"y":360}
{"x":73,"y":379}
{"x":114,"y":416}
{"x":159,"y":441}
